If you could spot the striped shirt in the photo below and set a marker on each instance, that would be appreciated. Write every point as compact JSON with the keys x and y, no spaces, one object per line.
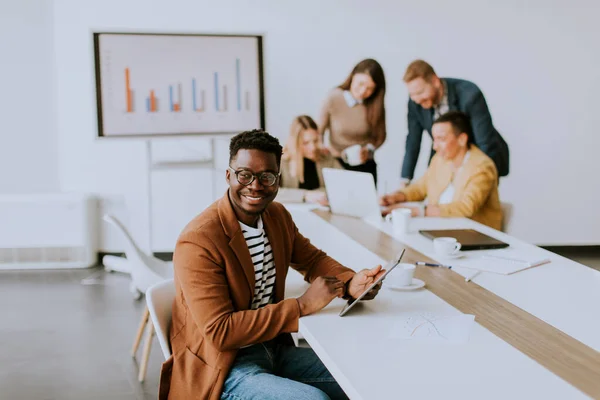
{"x":264,"y":266}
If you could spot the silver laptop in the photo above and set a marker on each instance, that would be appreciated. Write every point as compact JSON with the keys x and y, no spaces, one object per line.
{"x":351,"y":193}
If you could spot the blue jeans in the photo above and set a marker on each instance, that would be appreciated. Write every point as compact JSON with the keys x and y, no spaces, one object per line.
{"x":268,"y":371}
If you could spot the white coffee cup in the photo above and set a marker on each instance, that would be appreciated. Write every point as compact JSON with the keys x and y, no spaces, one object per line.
{"x":400,"y":218}
{"x":446,"y":246}
{"x":351,"y":155}
{"x":402,"y":275}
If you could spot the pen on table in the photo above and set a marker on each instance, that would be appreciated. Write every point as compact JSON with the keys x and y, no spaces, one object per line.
{"x":469,"y":278}
{"x":426,"y":264}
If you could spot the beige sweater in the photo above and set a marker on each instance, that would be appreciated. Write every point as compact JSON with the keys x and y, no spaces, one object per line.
{"x":347,"y":126}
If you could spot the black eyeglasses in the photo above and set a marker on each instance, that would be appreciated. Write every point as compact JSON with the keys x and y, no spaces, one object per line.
{"x":245,"y":177}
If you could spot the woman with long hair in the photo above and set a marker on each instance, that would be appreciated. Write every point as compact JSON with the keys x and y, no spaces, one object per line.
{"x":302,"y":163}
{"x":354,"y":115}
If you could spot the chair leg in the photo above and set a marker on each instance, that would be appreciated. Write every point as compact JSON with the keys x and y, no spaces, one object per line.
{"x":140,"y":332}
{"x":146,"y":353}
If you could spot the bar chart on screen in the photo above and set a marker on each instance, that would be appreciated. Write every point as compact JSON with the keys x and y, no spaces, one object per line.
{"x":178,"y":84}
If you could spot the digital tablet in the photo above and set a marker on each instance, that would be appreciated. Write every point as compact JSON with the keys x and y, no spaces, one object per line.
{"x":388,"y":268}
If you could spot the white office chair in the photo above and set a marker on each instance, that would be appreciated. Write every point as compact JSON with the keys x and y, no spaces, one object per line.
{"x":507,"y":210}
{"x":160,"y":299}
{"x":146,"y":271}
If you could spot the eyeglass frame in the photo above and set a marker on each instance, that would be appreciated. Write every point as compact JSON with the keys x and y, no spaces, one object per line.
{"x":254,"y":176}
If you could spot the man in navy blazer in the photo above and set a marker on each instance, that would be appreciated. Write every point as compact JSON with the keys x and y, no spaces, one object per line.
{"x":430,"y":97}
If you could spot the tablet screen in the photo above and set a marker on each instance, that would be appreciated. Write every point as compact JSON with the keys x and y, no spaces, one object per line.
{"x":389,"y":267}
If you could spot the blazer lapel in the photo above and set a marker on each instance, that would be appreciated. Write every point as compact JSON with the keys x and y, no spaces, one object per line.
{"x":428,"y":119}
{"x":452,"y":98}
{"x":240,"y":248}
{"x":237,"y":243}
{"x":443,"y":177}
{"x":275,"y":235}
{"x":462,"y":178}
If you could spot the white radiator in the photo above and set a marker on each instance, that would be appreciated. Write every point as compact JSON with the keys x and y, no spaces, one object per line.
{"x":47,"y":231}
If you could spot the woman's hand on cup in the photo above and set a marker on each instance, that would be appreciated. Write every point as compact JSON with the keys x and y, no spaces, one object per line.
{"x":365,"y":154}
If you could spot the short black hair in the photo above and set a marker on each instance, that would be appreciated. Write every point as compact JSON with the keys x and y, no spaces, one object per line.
{"x":460,"y":123}
{"x":256,"y":139}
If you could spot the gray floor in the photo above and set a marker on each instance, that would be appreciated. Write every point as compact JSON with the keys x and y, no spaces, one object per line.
{"x":62,"y":339}
{"x":589,"y":256}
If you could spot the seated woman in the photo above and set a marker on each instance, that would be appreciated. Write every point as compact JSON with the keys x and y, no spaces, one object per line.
{"x":461,"y":181}
{"x":302,"y":162}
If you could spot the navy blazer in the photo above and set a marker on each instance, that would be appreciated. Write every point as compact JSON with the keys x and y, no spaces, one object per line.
{"x":463,"y":96}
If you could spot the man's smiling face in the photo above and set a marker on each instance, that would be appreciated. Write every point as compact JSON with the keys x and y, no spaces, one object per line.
{"x":253,"y":199}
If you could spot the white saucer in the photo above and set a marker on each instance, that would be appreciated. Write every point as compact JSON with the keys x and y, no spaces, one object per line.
{"x":451,"y":256}
{"x":416,"y":284}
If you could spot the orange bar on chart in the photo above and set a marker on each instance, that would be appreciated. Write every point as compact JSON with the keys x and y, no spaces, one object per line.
{"x":152,"y":101}
{"x":128,"y":91}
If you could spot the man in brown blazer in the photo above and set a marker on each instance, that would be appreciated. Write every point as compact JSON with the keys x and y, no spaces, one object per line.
{"x":230,"y":329}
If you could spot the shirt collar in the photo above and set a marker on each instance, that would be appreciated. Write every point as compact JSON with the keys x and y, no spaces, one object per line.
{"x":350,"y":100}
{"x":444,"y":100}
{"x":257,"y":230}
{"x":464,"y":161}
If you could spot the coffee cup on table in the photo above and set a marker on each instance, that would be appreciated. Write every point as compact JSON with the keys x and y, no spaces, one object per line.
{"x":446,"y":246}
{"x":402,"y":275}
{"x":400,"y":218}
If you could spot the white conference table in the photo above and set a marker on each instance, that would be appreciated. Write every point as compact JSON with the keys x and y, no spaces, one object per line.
{"x":369,"y":364}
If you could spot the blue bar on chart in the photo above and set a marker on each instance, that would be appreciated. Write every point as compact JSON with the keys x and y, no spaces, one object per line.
{"x":171,"y":98}
{"x":238,"y":84}
{"x":216,"y":91}
{"x":194,"y":95}
{"x":148,"y":108}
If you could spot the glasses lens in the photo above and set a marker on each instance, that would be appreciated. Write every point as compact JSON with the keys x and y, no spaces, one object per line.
{"x":244,"y":177}
{"x":268,"y":178}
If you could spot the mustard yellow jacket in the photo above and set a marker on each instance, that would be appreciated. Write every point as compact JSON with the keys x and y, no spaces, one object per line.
{"x":475,"y":189}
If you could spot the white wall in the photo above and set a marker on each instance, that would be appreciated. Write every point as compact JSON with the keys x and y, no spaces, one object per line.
{"x":28,"y":144}
{"x":536,"y":62}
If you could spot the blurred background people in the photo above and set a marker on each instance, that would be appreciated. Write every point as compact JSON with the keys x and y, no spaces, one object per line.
{"x":432,"y":96}
{"x":302,"y":162}
{"x":354,"y":115}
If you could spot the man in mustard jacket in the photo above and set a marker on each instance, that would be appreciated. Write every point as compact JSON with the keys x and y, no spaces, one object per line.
{"x":461,"y":181}
{"x":230,"y":328}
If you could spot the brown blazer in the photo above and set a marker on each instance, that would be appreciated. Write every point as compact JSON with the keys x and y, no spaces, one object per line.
{"x":475,"y":189}
{"x":214,"y":282}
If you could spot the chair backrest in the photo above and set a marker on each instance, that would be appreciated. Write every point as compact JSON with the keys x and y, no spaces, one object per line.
{"x":160,"y":299}
{"x":154,"y":270}
{"x":132,"y":250}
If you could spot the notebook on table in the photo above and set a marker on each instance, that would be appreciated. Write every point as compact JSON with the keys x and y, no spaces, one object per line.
{"x":504,"y":261}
